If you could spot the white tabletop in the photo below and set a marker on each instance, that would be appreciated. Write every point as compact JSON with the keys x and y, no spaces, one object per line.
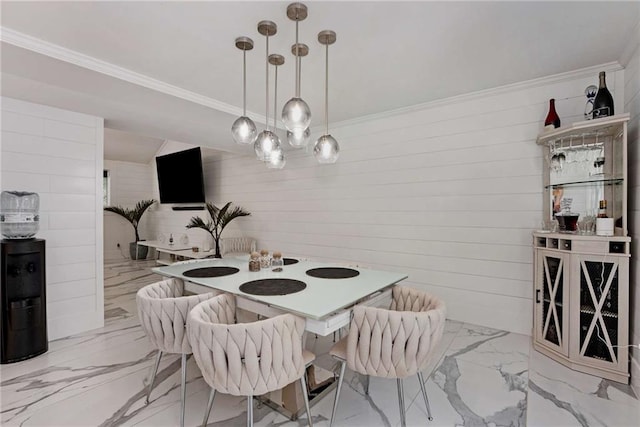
{"x":163,"y":245}
{"x":319,"y":299}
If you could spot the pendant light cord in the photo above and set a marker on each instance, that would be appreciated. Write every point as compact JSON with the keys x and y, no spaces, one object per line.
{"x":267,"y":84}
{"x":244,"y":82}
{"x":297,"y":62}
{"x":326,"y":89}
{"x":275,"y":98}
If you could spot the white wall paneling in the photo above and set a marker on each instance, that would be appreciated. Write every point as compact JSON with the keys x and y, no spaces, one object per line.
{"x":58,"y":154}
{"x":448,"y":193}
{"x":632,"y":106}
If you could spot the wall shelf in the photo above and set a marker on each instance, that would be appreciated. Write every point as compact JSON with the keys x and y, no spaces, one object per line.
{"x":587,"y":182}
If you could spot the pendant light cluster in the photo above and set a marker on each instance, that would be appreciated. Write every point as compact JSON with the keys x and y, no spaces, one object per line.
{"x":296,"y":114}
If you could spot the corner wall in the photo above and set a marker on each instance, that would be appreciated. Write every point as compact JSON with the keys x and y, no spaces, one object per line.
{"x":58,"y":154}
{"x":447,"y":192}
{"x":632,"y":106}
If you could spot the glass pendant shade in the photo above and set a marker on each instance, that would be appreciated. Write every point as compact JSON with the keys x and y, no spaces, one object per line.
{"x":266,"y":142}
{"x":244,"y":130}
{"x":326,"y":149}
{"x":296,"y":115}
{"x":299,"y":138}
{"x":276,"y":159}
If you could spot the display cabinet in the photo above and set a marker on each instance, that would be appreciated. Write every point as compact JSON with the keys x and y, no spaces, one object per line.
{"x":581,"y":280}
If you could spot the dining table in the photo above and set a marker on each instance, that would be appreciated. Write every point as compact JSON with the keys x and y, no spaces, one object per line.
{"x":321,"y":292}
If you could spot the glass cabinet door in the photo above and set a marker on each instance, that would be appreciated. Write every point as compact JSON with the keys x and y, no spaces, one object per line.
{"x":598,"y":307}
{"x":551,"y":302}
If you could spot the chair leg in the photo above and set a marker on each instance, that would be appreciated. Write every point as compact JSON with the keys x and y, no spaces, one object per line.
{"x":249,"y":411}
{"x":183,"y":389}
{"x":424,"y":395}
{"x":153,"y":376}
{"x":403,"y":418}
{"x":366,"y":384}
{"x":305,"y":396}
{"x":212,"y":395}
{"x":343,"y":365}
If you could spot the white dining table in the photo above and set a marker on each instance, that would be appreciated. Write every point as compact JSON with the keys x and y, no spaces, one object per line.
{"x":325,"y":303}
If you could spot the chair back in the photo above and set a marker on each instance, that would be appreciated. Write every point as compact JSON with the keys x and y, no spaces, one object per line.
{"x":245,"y":359}
{"x":163,"y":311}
{"x":398,"y":342}
{"x":237,"y":245}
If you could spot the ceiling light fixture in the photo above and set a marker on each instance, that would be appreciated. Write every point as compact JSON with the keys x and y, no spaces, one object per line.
{"x":267,"y":140}
{"x":276,"y":156}
{"x":244,"y":130}
{"x":299,"y":138}
{"x":296,"y":114}
{"x":326,"y":148}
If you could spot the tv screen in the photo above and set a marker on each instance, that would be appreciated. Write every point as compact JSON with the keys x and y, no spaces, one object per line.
{"x":180,"y":177}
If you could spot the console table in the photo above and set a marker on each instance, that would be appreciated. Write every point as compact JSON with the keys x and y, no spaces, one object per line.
{"x":176,"y":252}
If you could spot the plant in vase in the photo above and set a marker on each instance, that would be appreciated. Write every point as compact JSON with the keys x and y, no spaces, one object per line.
{"x":133,"y":216}
{"x":220,"y":218}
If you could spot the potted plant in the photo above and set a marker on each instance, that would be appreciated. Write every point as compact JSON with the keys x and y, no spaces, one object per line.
{"x":220,"y":218}
{"x":133,"y":216}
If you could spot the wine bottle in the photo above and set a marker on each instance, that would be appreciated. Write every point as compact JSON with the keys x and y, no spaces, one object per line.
{"x":603,"y":104}
{"x":553,"y":120}
{"x":602,"y":209}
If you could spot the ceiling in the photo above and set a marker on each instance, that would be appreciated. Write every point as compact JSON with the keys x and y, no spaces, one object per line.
{"x":170,"y":70}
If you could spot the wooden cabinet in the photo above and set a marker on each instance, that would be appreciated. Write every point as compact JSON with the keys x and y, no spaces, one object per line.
{"x":581,"y":280}
{"x":581,"y":312}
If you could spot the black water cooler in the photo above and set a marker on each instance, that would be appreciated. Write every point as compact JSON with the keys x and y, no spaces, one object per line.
{"x":23,"y":321}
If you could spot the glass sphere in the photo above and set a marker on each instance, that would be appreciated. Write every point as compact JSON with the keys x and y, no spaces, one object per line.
{"x":326,"y":149}
{"x":266,"y":142}
{"x":299,"y":138}
{"x":296,"y":115}
{"x":244,"y":130}
{"x":276,"y":159}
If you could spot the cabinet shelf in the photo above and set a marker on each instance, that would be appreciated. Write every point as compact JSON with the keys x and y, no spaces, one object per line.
{"x":605,"y":127}
{"x":587,"y":182}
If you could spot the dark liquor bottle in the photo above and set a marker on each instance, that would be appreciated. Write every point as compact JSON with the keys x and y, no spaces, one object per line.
{"x":602,"y":210}
{"x":603,"y":104}
{"x":553,"y":120}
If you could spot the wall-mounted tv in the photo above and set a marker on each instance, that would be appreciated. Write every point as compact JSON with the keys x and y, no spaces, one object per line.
{"x":180,"y":177}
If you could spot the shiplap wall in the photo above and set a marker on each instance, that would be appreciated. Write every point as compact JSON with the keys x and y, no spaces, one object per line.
{"x":632,"y":106}
{"x":58,"y":154}
{"x":129,"y":183}
{"x":447,"y":192}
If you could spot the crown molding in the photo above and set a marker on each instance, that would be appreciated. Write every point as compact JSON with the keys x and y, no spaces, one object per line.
{"x":55,"y":51}
{"x":529,"y":84}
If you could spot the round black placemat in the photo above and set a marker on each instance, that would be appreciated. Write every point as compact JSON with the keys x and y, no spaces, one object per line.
{"x":211,"y":272}
{"x":333,"y":272}
{"x":272,"y":287}
{"x":289,"y":261}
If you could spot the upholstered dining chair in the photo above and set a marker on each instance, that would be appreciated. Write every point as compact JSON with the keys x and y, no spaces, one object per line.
{"x":163,"y":310}
{"x":247,"y":359}
{"x":392,"y":343}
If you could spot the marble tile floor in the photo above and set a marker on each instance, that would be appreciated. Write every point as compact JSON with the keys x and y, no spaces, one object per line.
{"x":478,"y":377}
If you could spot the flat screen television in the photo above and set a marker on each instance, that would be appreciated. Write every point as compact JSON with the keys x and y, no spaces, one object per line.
{"x":180,"y":177}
